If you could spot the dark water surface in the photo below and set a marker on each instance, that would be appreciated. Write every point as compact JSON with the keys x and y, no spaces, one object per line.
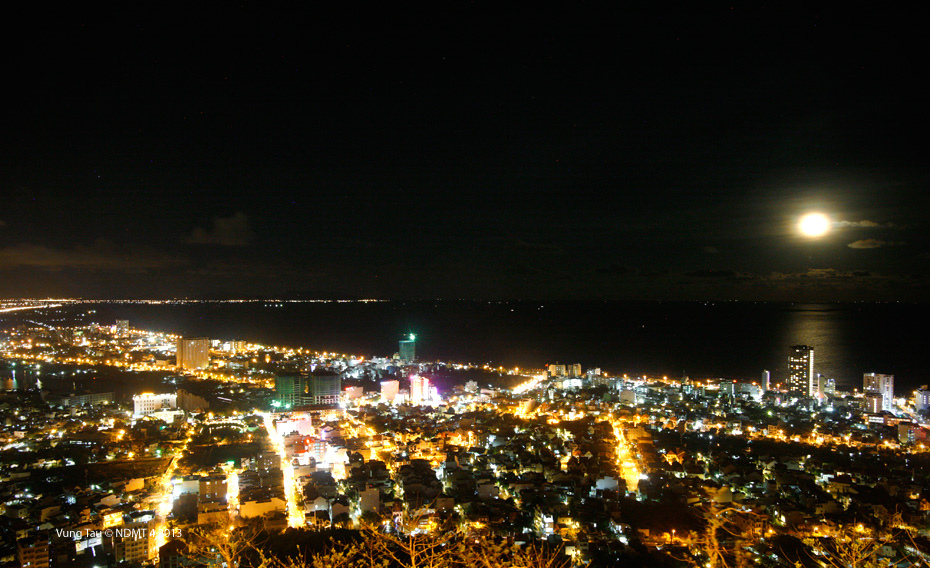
{"x":732,"y":340}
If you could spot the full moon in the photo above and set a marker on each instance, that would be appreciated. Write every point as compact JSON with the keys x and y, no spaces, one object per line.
{"x":814,"y":225}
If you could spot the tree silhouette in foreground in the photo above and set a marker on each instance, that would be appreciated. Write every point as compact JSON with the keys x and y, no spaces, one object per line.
{"x":376,"y":548}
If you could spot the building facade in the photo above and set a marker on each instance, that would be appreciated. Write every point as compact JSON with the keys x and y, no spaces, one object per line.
{"x":801,"y":378}
{"x":389,"y":390}
{"x":193,"y":352}
{"x":148,"y":403}
{"x":322,"y":387}
{"x":407,"y":350}
{"x":880,"y":384}
{"x":419,"y":389}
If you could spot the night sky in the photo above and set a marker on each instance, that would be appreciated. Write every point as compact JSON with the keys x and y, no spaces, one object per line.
{"x":464,"y":152}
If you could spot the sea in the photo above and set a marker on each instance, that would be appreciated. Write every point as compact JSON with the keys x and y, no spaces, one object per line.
{"x":728,"y":340}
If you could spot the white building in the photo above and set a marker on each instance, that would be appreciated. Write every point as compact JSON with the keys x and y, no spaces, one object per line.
{"x":880,"y":384}
{"x":389,"y":390}
{"x":148,"y":403}
{"x":922,"y":398}
{"x":135,"y":541}
{"x":353,"y":393}
{"x":419,"y":389}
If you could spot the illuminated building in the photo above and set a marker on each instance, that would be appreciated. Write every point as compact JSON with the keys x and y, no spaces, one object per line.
{"x":191,"y":402}
{"x":148,"y":403}
{"x":34,"y":551}
{"x":922,"y":398}
{"x":89,"y":399}
{"x":873,"y":402}
{"x":193,"y":353}
{"x":324,"y":387}
{"x":825,"y":386}
{"x":389,"y":390}
{"x":407,"y":349}
{"x":213,"y":487}
{"x":122,"y":328}
{"x":766,"y":380}
{"x":289,"y":390}
{"x":559,"y":370}
{"x":880,"y":384}
{"x":801,"y":378}
{"x":137,"y":543}
{"x":419,"y":389}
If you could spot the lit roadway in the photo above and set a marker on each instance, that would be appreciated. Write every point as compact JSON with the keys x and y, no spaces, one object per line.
{"x":530,"y":384}
{"x":166,"y":501}
{"x":295,"y":511}
{"x":232,"y":492}
{"x":625,"y":459}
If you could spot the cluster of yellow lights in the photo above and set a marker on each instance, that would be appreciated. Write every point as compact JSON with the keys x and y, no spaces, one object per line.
{"x":295,"y":513}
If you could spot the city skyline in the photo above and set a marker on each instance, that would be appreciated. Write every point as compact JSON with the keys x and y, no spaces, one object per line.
{"x":613,"y":468}
{"x":464,"y":285}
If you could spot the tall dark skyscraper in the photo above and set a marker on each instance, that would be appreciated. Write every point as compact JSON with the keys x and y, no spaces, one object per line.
{"x":289,"y":390}
{"x":801,"y":378}
{"x":322,"y":387}
{"x":407,"y":350}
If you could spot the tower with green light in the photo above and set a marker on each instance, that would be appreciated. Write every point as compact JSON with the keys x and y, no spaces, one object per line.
{"x":407,"y":350}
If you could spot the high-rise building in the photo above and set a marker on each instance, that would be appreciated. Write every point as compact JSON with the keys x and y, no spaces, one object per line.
{"x":122,"y":328}
{"x":289,"y":390}
{"x":873,"y":402}
{"x":560,"y":370}
{"x":389,"y":390}
{"x":801,"y":378}
{"x":880,"y":384}
{"x":766,"y":380}
{"x":137,"y":542}
{"x":922,"y":398}
{"x":825,"y":387}
{"x":419,"y":389}
{"x":193,"y":352}
{"x":407,"y":349}
{"x":191,"y":402}
{"x":324,"y":387}
{"x":556,"y":370}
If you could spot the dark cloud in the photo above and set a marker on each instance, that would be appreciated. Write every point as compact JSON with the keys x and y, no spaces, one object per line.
{"x":871,"y":244}
{"x":232,"y":231}
{"x":227,"y":268}
{"x":616,"y":269}
{"x":101,"y":255}
{"x":712,"y":274}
